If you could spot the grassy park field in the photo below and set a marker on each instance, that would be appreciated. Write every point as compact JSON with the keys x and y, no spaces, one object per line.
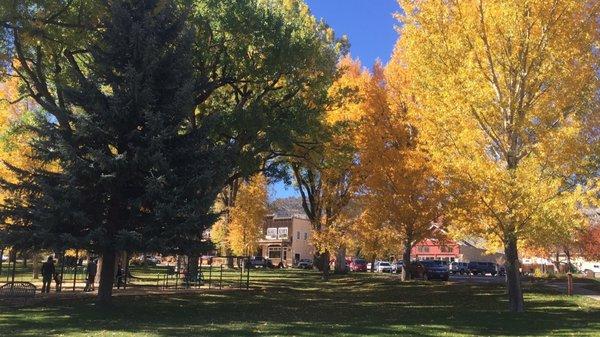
{"x":298,"y":303}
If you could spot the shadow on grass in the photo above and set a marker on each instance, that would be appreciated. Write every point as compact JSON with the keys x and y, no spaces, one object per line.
{"x":298,"y":303}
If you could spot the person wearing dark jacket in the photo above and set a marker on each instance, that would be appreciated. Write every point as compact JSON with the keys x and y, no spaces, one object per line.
{"x":47,"y":272}
{"x":119,"y":276}
{"x":91,"y":275}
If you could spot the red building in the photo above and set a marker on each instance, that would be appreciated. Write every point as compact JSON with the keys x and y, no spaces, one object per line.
{"x":432,"y":249}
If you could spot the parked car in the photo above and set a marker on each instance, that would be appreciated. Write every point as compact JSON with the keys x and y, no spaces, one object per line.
{"x":459,"y":268}
{"x":258,"y":261}
{"x":590,"y":268}
{"x":430,"y":269}
{"x":305,"y":264}
{"x":397,"y":266}
{"x":4,"y":258}
{"x":151,"y":260}
{"x":383,"y":267}
{"x":358,"y":265}
{"x":482,"y":268}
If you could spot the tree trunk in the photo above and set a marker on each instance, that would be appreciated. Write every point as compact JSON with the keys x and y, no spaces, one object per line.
{"x":373,"y":264}
{"x":107,"y":276}
{"x":1,"y":258}
{"x":557,"y":262}
{"x":230,"y":262}
{"x":325,"y":265}
{"x":179,"y":264}
{"x":406,"y":274}
{"x":98,"y":269}
{"x":36,"y":265}
{"x":192,"y":267}
{"x":569,"y":265}
{"x":125,"y":265}
{"x":340,"y":261}
{"x":513,"y":277}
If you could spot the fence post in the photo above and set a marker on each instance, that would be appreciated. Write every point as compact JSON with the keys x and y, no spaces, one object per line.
{"x":13,"y":273}
{"x":126,"y":271}
{"x":221,"y":278}
{"x":75,"y":270}
{"x":7,"y":271}
{"x":569,"y":284}
{"x":199,"y":277}
{"x":241,"y":272}
{"x":1,"y":259}
{"x":209,"y":274}
{"x":248,"y":277}
{"x":62,"y":271}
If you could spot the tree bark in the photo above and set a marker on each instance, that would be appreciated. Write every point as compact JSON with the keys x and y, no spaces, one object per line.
{"x":99,"y":269}
{"x":36,"y":265}
{"x":340,"y":261}
{"x":192,"y":267}
{"x":513,"y":277}
{"x":1,"y":258}
{"x":406,"y":274}
{"x":557,"y":262}
{"x":107,"y":276}
{"x":325,"y":265}
{"x":569,"y":264}
{"x":373,"y":264}
{"x":230,"y":262}
{"x":125,"y":264}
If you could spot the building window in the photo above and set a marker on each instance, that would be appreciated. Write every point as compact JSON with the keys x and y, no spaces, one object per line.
{"x":305,"y":235}
{"x":298,"y":235}
{"x":445,"y":249}
{"x":271,"y":233}
{"x":282,"y":233}
{"x":274,"y":252}
{"x":423,"y":249}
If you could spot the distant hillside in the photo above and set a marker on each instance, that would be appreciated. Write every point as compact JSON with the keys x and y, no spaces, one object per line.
{"x":286,"y":206}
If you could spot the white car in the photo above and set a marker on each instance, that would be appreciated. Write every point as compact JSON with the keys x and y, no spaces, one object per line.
{"x":591,"y":267}
{"x":383,"y":267}
{"x":305,"y":264}
{"x":397,"y":266}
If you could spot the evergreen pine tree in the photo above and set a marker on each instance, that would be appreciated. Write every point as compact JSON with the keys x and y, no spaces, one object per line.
{"x":134,"y":172}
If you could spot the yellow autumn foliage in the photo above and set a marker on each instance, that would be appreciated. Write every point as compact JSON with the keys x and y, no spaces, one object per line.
{"x":14,"y":143}
{"x":247,"y":216}
{"x":503,"y":91}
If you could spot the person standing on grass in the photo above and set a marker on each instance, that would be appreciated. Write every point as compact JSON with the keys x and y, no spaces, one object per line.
{"x":58,"y":282}
{"x":48,"y":272}
{"x":91,"y":275}
{"x":119,"y":276}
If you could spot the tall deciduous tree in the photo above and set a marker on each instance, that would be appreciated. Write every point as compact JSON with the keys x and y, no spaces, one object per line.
{"x":502,"y":89}
{"x":247,"y":217}
{"x":323,"y":165}
{"x":402,"y":191}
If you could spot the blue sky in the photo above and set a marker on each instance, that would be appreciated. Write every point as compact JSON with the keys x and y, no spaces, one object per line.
{"x":369,"y":25}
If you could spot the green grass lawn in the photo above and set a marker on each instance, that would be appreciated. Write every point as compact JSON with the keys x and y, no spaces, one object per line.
{"x":298,"y":303}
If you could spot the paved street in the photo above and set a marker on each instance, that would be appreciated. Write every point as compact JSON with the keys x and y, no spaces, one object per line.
{"x":477,"y":279}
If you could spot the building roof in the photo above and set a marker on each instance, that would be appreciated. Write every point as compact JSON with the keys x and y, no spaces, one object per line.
{"x":276,"y":216}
